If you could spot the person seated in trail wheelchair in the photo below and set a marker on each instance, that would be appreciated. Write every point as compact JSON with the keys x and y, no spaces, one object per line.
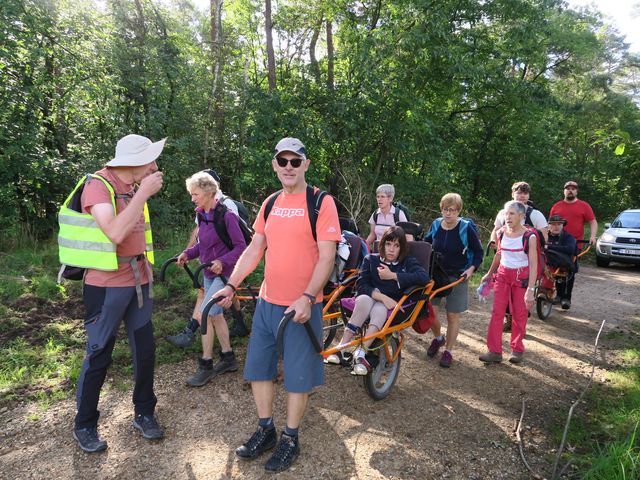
{"x":561,"y":250}
{"x":381,"y":282}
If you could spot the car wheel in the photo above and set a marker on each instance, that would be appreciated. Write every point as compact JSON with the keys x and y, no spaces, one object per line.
{"x":602,"y":262}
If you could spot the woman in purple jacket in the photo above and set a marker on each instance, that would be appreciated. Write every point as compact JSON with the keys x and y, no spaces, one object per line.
{"x":211,"y":248}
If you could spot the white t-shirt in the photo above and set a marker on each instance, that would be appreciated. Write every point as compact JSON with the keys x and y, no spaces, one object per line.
{"x":537,"y":218}
{"x":517,"y":259}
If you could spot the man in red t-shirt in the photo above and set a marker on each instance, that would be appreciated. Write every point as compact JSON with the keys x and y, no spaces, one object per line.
{"x":576,"y":213}
{"x":297,"y":267}
{"x":122,"y":295}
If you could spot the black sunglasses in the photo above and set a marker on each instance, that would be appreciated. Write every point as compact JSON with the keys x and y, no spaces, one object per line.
{"x":295,"y":162}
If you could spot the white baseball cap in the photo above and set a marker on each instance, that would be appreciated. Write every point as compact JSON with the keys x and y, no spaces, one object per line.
{"x":290,"y":144}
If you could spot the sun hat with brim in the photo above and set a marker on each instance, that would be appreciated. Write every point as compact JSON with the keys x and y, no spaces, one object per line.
{"x":135,"y":151}
{"x":290,"y":144}
{"x":557,"y":219}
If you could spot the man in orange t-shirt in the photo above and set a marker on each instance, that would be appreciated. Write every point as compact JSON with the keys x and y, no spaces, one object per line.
{"x":297,"y":266}
{"x":123,"y":295}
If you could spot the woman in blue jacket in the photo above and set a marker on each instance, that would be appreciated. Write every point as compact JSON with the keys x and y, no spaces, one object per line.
{"x":456,"y":238}
{"x":381,"y":282}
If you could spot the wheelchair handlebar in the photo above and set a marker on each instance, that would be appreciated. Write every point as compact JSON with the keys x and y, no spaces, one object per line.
{"x":489,"y":244}
{"x":205,"y":313}
{"x":283,"y":324}
{"x":196,"y":274}
{"x":166,"y":265}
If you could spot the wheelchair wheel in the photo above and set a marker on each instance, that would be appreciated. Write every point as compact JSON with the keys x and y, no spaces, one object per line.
{"x":379,"y":382}
{"x":329,"y":329}
{"x":543,"y":307}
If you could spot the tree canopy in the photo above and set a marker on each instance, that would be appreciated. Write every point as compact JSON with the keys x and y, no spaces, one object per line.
{"x":430,"y":95}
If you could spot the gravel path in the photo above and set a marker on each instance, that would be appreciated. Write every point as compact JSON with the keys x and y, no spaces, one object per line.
{"x":436,"y":424}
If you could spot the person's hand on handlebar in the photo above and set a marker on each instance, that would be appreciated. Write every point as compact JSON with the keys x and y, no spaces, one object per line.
{"x":216,"y":267}
{"x":182,"y":259}
{"x":468,"y":272}
{"x":302,"y":307}
{"x":228,"y":293}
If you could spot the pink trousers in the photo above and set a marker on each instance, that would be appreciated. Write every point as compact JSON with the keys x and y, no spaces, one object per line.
{"x":509,"y":291}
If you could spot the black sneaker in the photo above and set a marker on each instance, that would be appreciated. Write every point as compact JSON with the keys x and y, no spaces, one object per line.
{"x":204,"y":373}
{"x":148,"y":426}
{"x":286,"y":452}
{"x":227,"y":363}
{"x":183,"y":339}
{"x":263,"y":439}
{"x":89,"y":440}
{"x":565,"y":304}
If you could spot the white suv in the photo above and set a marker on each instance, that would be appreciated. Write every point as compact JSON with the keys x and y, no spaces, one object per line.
{"x":620,"y":242}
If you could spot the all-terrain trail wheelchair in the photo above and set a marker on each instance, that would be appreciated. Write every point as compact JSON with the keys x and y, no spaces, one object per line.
{"x":546,"y":294}
{"x":385,"y":353}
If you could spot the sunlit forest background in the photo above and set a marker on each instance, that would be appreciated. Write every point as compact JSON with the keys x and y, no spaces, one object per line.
{"x":430,"y":95}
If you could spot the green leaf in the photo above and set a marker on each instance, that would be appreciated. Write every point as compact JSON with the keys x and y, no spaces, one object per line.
{"x":620,"y":149}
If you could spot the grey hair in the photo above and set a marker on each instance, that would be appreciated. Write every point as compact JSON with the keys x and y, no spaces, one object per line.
{"x":517,"y":206}
{"x":204,"y":182}
{"x":387,"y":189}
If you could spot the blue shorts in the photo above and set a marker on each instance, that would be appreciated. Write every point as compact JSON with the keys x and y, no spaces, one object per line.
{"x":303,"y":366}
{"x":211,"y":286}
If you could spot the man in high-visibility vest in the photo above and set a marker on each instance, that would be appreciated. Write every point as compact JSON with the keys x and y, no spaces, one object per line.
{"x":121,"y":291}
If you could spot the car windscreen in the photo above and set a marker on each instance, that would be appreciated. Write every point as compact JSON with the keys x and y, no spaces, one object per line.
{"x":627,"y":220}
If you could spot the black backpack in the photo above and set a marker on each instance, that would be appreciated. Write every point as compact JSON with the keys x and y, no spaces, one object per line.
{"x":314,"y":202}
{"x":243,"y":213}
{"x":221,"y":227}
{"x":396,"y":215}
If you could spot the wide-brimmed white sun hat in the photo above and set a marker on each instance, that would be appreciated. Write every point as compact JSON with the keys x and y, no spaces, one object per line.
{"x":135,"y":151}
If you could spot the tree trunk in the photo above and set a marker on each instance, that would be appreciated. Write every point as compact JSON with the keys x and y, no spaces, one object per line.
{"x":215,"y":116}
{"x":315,"y":69}
{"x":329,"y":55}
{"x":140,"y":30}
{"x":271,"y":59}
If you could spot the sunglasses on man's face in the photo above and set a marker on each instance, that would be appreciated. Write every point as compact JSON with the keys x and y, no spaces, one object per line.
{"x":295,"y":162}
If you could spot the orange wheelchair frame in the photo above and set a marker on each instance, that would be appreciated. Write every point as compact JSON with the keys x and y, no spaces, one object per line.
{"x":387,"y":342}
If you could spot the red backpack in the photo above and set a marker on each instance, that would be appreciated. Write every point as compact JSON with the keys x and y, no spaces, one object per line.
{"x":525,"y":244}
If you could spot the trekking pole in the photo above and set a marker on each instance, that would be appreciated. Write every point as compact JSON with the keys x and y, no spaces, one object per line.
{"x":283,"y":325}
{"x":166,"y":264}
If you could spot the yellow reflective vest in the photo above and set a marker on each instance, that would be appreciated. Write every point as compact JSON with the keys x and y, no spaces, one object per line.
{"x":81,"y":242}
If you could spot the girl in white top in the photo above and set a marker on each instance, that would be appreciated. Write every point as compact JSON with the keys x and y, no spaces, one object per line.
{"x":515,"y":266}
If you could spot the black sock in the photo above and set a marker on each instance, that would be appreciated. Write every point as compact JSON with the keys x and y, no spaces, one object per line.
{"x":266,"y":422}
{"x":292,"y":432}
{"x":193,"y":325}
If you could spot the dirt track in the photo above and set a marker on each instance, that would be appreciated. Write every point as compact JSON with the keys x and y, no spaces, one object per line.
{"x":437,"y":423}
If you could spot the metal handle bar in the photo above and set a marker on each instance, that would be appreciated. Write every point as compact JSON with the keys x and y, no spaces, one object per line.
{"x":489,"y":243}
{"x":166,"y":264}
{"x":204,"y":319}
{"x":196,"y":274}
{"x":283,"y":325}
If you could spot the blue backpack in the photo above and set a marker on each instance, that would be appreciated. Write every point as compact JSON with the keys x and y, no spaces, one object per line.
{"x":465,"y":225}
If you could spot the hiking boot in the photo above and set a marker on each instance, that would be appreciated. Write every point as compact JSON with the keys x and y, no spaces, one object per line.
{"x":446,"y":359}
{"x":434,"y":347}
{"x":148,"y":426}
{"x":506,"y":326}
{"x":183,"y":339}
{"x":286,"y":452}
{"x":239,"y":329}
{"x":203,"y":374}
{"x":89,"y":440}
{"x":263,"y":439}
{"x":491,"y":357}
{"x":227,"y":363}
{"x":565,"y":304}
{"x":516,"y":357}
